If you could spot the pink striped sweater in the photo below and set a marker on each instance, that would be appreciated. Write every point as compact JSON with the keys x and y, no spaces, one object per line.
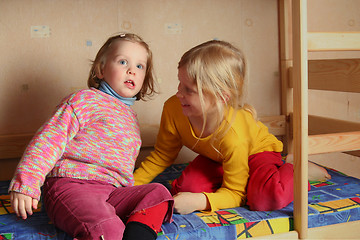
{"x":91,"y":135}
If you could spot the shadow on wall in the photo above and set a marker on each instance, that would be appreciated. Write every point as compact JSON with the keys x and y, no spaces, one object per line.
{"x":33,"y":94}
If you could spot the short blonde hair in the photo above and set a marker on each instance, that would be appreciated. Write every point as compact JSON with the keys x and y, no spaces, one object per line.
{"x":148,"y":87}
{"x":218,"y":69}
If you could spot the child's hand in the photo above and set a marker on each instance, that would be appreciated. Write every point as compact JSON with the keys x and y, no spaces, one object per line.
{"x":22,"y":204}
{"x":186,"y":202}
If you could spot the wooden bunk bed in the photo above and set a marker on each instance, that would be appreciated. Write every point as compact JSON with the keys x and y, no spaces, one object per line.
{"x":310,"y":134}
{"x":301,"y":133}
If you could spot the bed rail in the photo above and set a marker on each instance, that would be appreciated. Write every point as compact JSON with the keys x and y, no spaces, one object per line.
{"x":325,"y":74}
{"x":333,"y":41}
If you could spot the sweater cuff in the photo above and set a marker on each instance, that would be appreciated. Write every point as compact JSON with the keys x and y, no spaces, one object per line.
{"x":28,"y":190}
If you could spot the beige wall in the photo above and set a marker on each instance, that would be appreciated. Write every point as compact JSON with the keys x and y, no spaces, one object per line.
{"x":36,"y":73}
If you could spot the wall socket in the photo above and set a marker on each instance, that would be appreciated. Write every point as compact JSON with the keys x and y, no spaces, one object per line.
{"x":40,"y":31}
{"x":173,"y":28}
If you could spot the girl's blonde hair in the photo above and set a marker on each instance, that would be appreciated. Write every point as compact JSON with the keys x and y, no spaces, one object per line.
{"x":218,"y":69}
{"x":98,"y":64}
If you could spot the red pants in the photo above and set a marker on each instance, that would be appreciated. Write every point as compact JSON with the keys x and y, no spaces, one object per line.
{"x":270,"y":184}
{"x":88,"y":209}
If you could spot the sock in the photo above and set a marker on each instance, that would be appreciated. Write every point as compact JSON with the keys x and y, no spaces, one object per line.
{"x":137,"y":230}
{"x":152,"y":217}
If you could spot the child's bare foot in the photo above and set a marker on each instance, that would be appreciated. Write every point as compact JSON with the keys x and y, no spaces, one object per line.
{"x":315,"y":172}
{"x":290,"y":158}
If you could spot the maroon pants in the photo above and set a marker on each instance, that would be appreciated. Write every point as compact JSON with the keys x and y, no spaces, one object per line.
{"x":270,"y":184}
{"x":88,"y":209}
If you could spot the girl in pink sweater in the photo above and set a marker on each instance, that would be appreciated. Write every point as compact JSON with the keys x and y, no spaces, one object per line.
{"x":84,"y":155}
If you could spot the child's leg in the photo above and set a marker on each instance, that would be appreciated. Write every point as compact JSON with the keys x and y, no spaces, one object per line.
{"x":201,"y":175}
{"x":270,"y":185}
{"x":79,"y":208}
{"x":143,"y":207}
{"x":146,"y":222}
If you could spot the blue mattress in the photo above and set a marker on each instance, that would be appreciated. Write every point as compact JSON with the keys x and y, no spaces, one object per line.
{"x":331,"y":202}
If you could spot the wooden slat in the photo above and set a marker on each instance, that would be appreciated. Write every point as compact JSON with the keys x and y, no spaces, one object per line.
{"x":13,"y":146}
{"x":275,"y":124}
{"x":333,"y":41}
{"x":334,"y":142}
{"x":354,"y":153}
{"x":332,"y":135}
{"x":348,"y":230}
{"x":285,"y":30}
{"x":325,"y":75}
{"x":335,"y":75}
{"x":7,"y":168}
{"x":300,"y":125}
{"x":286,"y":61}
{"x":287,"y":236}
{"x":324,"y":125}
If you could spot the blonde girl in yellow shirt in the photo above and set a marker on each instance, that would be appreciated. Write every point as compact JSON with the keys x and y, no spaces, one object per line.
{"x":239,"y":161}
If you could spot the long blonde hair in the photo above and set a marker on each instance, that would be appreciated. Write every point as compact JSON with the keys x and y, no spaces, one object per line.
{"x":218,"y":69}
{"x":148,"y":87}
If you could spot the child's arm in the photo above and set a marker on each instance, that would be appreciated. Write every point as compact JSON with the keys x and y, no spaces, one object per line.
{"x":23,"y":204}
{"x":167,"y":147}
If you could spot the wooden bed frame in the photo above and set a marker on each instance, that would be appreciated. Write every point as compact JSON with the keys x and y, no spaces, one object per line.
{"x":310,"y":134}
{"x":302,"y":134}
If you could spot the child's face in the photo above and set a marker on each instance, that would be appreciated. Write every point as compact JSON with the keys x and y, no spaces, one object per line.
{"x":125,"y":68}
{"x":189,"y":96}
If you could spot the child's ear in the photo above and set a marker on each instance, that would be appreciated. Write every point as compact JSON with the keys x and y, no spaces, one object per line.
{"x":225,"y":97}
{"x":99,"y":73}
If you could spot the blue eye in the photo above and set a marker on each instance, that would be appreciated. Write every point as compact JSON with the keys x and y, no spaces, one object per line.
{"x":140,"y":66}
{"x":123,"y":62}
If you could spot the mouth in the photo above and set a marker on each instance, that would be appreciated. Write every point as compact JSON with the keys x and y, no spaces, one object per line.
{"x":185,"y":105}
{"x":130,"y":83}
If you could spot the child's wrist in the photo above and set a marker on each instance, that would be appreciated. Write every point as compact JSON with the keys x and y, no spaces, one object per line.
{"x":202,"y":203}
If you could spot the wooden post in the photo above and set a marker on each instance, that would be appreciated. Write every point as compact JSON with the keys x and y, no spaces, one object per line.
{"x":300,"y":127}
{"x":286,"y":62}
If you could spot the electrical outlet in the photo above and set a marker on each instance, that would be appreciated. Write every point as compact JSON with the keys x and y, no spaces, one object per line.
{"x":173,"y":28}
{"x":40,"y":31}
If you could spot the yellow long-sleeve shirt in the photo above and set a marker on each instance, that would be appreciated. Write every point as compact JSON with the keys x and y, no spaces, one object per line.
{"x":245,"y":137}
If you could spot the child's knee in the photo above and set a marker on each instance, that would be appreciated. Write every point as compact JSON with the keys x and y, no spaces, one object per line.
{"x":112,"y":228}
{"x":202,"y":175}
{"x":159,"y":190}
{"x":271,"y":189}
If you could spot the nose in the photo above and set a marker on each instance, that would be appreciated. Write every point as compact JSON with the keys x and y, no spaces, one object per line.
{"x":178,"y":93}
{"x":131,"y":71}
